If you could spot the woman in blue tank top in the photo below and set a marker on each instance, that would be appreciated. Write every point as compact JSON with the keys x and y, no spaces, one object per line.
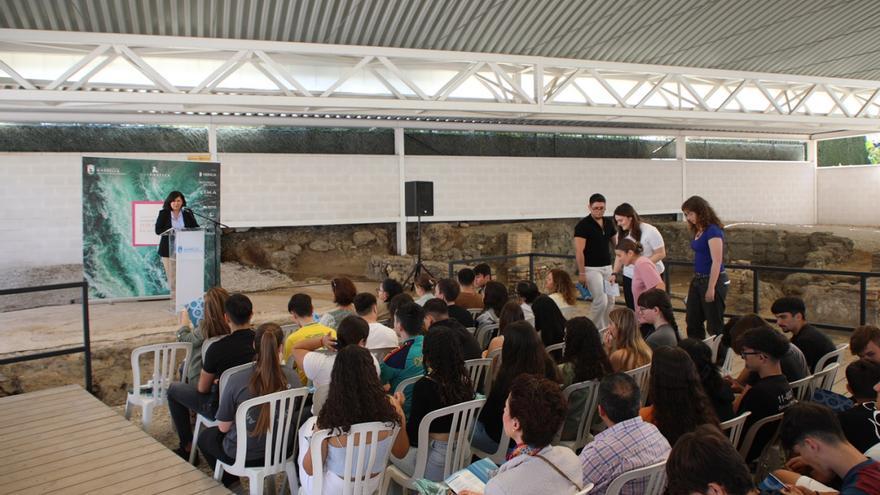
{"x":708,"y":289}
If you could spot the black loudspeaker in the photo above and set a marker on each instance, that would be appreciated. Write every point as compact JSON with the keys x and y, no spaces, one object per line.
{"x":419,"y":198}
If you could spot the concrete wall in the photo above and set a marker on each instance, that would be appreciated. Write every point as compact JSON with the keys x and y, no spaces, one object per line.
{"x":42,"y":218}
{"x":848,"y":195}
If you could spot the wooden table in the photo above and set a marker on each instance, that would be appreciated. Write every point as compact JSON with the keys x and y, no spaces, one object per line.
{"x":65,"y":440}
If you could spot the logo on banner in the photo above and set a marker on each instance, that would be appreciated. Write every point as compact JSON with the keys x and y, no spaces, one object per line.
{"x":155,"y":170}
{"x":90,"y":169}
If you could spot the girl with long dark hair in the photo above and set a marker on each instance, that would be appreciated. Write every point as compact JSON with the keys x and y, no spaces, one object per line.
{"x":630,"y":226}
{"x":716,"y":388}
{"x":510,"y":313}
{"x":495,"y":296}
{"x":522,"y":353}
{"x":265,"y":377}
{"x":708,"y":289}
{"x":678,"y":403}
{"x":355,"y":396}
{"x":655,"y":309}
{"x":446,"y":383}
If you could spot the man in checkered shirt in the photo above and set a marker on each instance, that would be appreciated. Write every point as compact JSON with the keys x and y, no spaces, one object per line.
{"x":628,"y":443}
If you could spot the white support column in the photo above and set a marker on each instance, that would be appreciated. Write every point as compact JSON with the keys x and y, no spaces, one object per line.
{"x":681,"y":156}
{"x":813,"y":158}
{"x":401,"y":166}
{"x":212,"y":142}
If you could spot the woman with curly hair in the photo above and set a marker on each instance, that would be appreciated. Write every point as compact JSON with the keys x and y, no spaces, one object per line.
{"x":522,"y":352}
{"x":355,"y":396}
{"x":583,"y":359}
{"x":210,"y":328}
{"x":510,"y":313}
{"x":344,"y":291}
{"x":560,"y":288}
{"x":708,"y":289}
{"x":678,"y":403}
{"x":533,"y":412}
{"x":716,"y":388}
{"x":446,"y":383}
{"x":624,"y":341}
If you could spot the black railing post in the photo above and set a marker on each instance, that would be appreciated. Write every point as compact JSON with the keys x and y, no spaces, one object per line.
{"x":666,"y":278}
{"x":87,"y":341}
{"x":531,"y":267}
{"x":451,"y":269}
{"x":756,"y":293}
{"x":863,"y":300}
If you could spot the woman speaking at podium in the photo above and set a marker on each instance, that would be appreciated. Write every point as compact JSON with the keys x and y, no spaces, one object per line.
{"x":172,"y":215}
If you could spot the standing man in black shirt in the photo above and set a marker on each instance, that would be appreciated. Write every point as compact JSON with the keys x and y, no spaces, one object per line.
{"x":791,"y":317}
{"x":230,"y":351}
{"x":593,"y":237}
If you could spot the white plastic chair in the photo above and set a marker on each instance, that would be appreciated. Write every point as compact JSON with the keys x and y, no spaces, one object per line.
{"x":471,"y":330}
{"x":822,"y":363}
{"x":714,"y":342}
{"x":586,"y":490}
{"x":154,"y":392}
{"x":654,"y":485}
{"x":356,"y":478}
{"x":500,"y":454}
{"x":478,"y":370}
{"x":734,"y":427}
{"x":641,"y":375}
{"x":802,"y":388}
{"x":284,"y":416}
{"x":204,"y":422}
{"x":555,"y":347}
{"x":727,"y":365}
{"x":401,"y":387}
{"x":585,"y":416}
{"x":475,"y":312}
{"x":380,"y":352}
{"x":485,"y":334}
{"x":756,"y":427}
{"x":824,"y":379}
{"x":463,"y":419}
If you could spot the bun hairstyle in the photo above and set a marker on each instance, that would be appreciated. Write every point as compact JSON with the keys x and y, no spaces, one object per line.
{"x":626,"y":244}
{"x":268,"y":376}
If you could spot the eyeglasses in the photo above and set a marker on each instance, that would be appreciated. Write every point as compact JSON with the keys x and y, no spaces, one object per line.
{"x":749,"y":353}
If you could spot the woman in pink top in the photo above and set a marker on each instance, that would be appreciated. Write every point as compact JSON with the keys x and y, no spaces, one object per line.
{"x":645,"y":275}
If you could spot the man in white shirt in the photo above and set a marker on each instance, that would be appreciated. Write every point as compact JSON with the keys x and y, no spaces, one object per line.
{"x":366,"y":306}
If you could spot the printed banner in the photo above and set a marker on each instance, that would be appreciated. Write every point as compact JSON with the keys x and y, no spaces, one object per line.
{"x":121,"y":199}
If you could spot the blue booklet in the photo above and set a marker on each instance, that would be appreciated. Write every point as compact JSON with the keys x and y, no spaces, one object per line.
{"x":473,"y":477}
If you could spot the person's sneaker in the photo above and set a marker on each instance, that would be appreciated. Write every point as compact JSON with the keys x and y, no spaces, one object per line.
{"x":184,"y":454}
{"x":230,"y":480}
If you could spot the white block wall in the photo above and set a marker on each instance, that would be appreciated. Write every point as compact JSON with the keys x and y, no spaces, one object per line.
{"x":273,"y":189}
{"x":490,"y":188}
{"x":849,"y":195}
{"x":779,"y":192}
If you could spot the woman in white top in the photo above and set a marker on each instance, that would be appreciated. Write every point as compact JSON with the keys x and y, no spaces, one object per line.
{"x":630,"y":226}
{"x":560,"y":288}
{"x":424,"y":289}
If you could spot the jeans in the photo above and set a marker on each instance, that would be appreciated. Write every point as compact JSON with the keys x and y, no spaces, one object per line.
{"x":700,"y":311}
{"x":183,"y":398}
{"x":482,"y":440}
{"x":602,"y":303}
{"x":434,"y":466}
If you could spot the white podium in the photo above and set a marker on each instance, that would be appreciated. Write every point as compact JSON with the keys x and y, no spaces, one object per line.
{"x":187,"y":248}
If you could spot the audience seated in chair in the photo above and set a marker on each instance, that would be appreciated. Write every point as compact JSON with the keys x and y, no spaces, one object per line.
{"x":446,"y":383}
{"x":436,"y":316}
{"x":209,"y":329}
{"x":791,"y":316}
{"x":716,"y":388}
{"x":405,"y":361}
{"x":655,"y":309}
{"x":812,"y":433}
{"x":355,"y":396}
{"x":318,"y":366}
{"x":865,"y":342}
{"x":560,"y":288}
{"x":302,"y":313}
{"x":533,"y":412}
{"x":510,"y":313}
{"x":448,"y":290}
{"x":626,"y":348}
{"x":678,"y":403}
{"x":522,"y":353}
{"x":234,"y":349}
{"x":549,"y":321}
{"x":583,"y":359}
{"x":526,"y":292}
{"x":761,"y":348}
{"x":482,"y":276}
{"x":468,"y":298}
{"x":344,"y":291}
{"x":394,"y":304}
{"x":386,"y":291}
{"x":703,"y":461}
{"x":793,"y":363}
{"x":268,"y":375}
{"x":380,"y":337}
{"x":424,"y":287}
{"x":628,"y":443}
{"x":858,"y":423}
{"x":494,"y":298}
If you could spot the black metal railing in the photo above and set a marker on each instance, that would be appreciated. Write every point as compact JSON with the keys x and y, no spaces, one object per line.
{"x":85,"y":348}
{"x":756,"y":271}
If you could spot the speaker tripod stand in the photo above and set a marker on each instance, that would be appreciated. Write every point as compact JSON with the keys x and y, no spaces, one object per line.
{"x":419,"y":267}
